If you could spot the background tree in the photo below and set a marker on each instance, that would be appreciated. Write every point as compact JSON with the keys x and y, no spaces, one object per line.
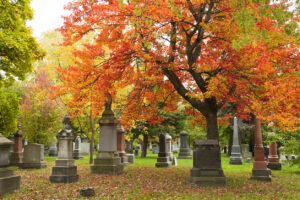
{"x":18,"y":49}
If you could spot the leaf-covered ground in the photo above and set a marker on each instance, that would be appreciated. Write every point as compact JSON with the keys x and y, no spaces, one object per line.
{"x":143,"y":181}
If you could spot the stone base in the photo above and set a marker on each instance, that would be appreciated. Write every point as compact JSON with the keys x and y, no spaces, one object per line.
{"x":163,"y":162}
{"x":274,"y":165}
{"x":15,"y":161}
{"x":8,"y":181}
{"x":124,"y":161}
{"x":130,"y":158}
{"x":261,"y":174}
{"x":208,"y":177}
{"x":107,"y":163}
{"x":185,"y":157}
{"x":64,"y":174}
{"x":52,"y":153}
{"x":39,"y":165}
{"x":77,"y":154}
{"x":236,"y":160}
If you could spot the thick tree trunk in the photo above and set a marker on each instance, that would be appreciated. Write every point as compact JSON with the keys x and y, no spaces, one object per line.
{"x":230,"y":142}
{"x":212,"y":126}
{"x":144,"y":146}
{"x":92,"y":122}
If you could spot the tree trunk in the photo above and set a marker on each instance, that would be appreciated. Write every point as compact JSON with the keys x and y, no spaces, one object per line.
{"x":144,"y":146}
{"x":92,"y":122}
{"x":212,"y":126}
{"x":230,"y":142}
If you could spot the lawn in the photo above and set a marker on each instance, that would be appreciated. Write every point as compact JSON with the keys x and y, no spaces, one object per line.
{"x":143,"y":181}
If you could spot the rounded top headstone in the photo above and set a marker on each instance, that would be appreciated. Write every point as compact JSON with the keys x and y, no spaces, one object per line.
{"x":184,"y":133}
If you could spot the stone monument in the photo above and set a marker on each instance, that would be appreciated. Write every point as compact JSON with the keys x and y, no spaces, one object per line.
{"x":16,"y":157}
{"x":259,"y":170}
{"x":129,"y":151}
{"x":273,"y":159}
{"x":155,"y":149}
{"x":184,"y":151}
{"x":121,"y":144}
{"x":33,"y":157}
{"x":207,"y":170}
{"x":8,"y":181}
{"x":107,"y":160}
{"x":163,"y":159}
{"x":246,"y":154}
{"x":52,"y":149}
{"x":85,"y":145}
{"x":65,"y":170}
{"x":169,"y":147}
{"x":235,"y":158}
{"x":77,"y":150}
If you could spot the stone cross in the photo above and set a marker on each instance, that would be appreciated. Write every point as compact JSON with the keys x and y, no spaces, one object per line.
{"x":235,"y":158}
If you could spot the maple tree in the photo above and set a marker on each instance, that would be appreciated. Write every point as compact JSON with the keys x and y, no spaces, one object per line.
{"x":210,"y":53}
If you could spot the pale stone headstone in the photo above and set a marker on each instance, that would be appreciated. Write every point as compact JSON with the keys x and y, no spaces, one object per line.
{"x":65,"y":170}
{"x":33,"y":157}
{"x":8,"y":181}
{"x":184,"y":151}
{"x":235,"y":158}
{"x":121,"y":144}
{"x":207,"y":170}
{"x":163,"y":159}
{"x":77,"y":150}
{"x":53,"y":149}
{"x":245,"y":152}
{"x":85,"y":145}
{"x":107,"y":160}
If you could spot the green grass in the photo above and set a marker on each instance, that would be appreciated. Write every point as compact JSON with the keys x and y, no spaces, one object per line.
{"x":143,"y":181}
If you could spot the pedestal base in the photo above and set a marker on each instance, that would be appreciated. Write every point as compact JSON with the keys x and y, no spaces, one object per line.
{"x":235,"y":160}
{"x":15,"y":161}
{"x":8,"y":181}
{"x":261,"y":174}
{"x":107,"y":163}
{"x":163,"y":162}
{"x":64,"y":174}
{"x":39,"y":165}
{"x":184,"y":154}
{"x":274,"y":165}
{"x":130,"y":158}
{"x":208,"y":177}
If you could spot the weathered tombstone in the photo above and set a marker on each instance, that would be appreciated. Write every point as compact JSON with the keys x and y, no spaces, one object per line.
{"x":129,"y":147}
{"x":184,"y":151}
{"x":121,"y":144}
{"x":107,"y":160}
{"x":8,"y":181}
{"x":246,"y":154}
{"x":16,"y":157}
{"x":207,"y":170}
{"x":168,"y":146}
{"x":235,"y":158}
{"x":163,"y":159}
{"x":155,"y":149}
{"x":65,"y":170}
{"x":273,"y":160}
{"x":77,"y":150}
{"x":33,"y":157}
{"x":131,"y":157}
{"x":85,"y":145}
{"x":259,"y":170}
{"x":52,"y":149}
{"x":136,"y":152}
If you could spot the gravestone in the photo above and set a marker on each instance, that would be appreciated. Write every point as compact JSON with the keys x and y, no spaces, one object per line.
{"x":33,"y":157}
{"x":107,"y":160}
{"x":129,"y":147}
{"x":155,"y":149}
{"x":130,"y":157}
{"x":65,"y":170}
{"x":246,"y":154}
{"x":16,"y":157}
{"x":207,"y":170}
{"x":85,"y":145}
{"x":169,"y":147}
{"x":8,"y":181}
{"x":52,"y":149}
{"x":121,"y":144}
{"x":77,"y":150}
{"x":273,"y":159}
{"x":163,"y":159}
{"x":235,"y":158}
{"x":184,"y":151}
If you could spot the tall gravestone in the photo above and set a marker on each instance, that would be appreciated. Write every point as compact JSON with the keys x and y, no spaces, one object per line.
{"x":273,"y":159}
{"x":121,"y":144}
{"x":235,"y":158}
{"x":65,"y":170}
{"x":184,"y":151}
{"x":33,"y":157}
{"x":17,"y":154}
{"x":107,"y":160}
{"x":163,"y":159}
{"x":207,"y":170}
{"x":77,"y":150}
{"x":8,"y":181}
{"x":259,"y":170}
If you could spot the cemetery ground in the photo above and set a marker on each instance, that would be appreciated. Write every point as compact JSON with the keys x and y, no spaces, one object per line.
{"x":143,"y":181}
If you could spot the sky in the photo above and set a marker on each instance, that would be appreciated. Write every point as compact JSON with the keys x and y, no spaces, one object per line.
{"x":47,"y":15}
